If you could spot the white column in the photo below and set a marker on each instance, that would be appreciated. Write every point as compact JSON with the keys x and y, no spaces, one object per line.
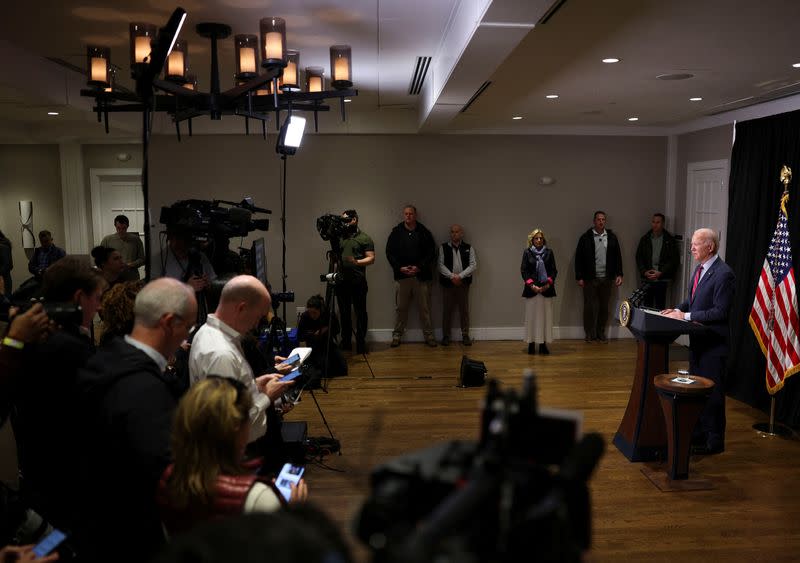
{"x":75,"y":198}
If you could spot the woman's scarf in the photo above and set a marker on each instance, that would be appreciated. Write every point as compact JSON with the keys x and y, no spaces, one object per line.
{"x":541,"y":271}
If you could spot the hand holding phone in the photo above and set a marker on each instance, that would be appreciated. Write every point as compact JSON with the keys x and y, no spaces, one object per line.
{"x":289,"y":475}
{"x":49,"y":543}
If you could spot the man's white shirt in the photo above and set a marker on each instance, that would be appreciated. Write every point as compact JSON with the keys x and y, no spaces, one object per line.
{"x":217,"y":350}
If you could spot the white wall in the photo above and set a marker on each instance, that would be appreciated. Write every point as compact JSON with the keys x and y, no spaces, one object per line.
{"x":30,"y":172}
{"x":486,"y":183}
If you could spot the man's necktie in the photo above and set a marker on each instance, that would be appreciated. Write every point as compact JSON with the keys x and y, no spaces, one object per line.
{"x":696,"y":278}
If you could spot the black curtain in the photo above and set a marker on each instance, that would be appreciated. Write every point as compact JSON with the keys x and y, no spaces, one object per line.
{"x":761,"y":148}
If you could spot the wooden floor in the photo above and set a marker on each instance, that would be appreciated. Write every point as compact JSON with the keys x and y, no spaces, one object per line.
{"x":753,"y":513}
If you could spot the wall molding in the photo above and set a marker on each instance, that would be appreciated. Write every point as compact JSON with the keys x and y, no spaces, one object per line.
{"x":494,"y":333}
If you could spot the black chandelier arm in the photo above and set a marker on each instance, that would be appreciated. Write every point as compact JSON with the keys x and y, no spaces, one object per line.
{"x":251,"y":85}
{"x":176,"y":89}
{"x":115,"y":96}
{"x":199,"y":103}
{"x":252,"y":115}
{"x":105,"y":108}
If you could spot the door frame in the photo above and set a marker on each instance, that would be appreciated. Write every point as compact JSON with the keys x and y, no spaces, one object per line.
{"x":96,"y":177}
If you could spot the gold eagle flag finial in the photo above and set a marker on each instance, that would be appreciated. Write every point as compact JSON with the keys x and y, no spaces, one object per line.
{"x":786,"y":177}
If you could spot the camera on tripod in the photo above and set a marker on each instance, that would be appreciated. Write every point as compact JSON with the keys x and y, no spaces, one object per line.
{"x":520,"y":489}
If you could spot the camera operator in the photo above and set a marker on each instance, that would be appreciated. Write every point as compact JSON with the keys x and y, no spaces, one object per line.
{"x":358,"y":252}
{"x":44,"y":390}
{"x":184,"y":262}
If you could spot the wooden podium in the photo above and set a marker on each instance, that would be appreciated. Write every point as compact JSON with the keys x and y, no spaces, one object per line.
{"x":642,"y":434}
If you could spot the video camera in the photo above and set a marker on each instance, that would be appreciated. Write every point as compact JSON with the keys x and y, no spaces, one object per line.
{"x":521,"y":489}
{"x":201,"y":217}
{"x":332,"y":227}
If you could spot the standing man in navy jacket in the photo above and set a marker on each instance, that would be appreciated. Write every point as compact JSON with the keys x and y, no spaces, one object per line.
{"x":411,"y":251}
{"x":598,"y":268}
{"x":709,"y":303}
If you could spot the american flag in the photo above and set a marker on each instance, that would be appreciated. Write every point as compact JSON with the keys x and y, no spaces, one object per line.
{"x":774,"y":317}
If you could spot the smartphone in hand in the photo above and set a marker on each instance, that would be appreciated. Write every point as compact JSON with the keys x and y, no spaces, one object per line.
{"x":289,"y":475}
{"x":49,"y":543}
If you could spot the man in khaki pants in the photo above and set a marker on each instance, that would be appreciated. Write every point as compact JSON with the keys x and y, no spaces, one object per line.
{"x":411,"y":251}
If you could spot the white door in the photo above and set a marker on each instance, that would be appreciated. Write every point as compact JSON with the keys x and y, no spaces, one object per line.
{"x":116,"y":192}
{"x":706,"y":206}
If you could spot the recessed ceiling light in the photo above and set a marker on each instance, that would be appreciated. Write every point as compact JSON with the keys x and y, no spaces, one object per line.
{"x":52,"y":113}
{"x":611,"y":60}
{"x":696,"y":99}
{"x":633,"y":119}
{"x":551,"y":96}
{"x":796,"y":65}
{"x":347,"y":100}
{"x":517,"y":117}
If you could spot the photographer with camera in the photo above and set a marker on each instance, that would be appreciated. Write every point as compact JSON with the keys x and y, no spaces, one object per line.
{"x":44,"y":390}
{"x":25,"y":329}
{"x":357,"y":252}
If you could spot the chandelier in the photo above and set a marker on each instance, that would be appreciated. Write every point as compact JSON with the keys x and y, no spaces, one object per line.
{"x":159,"y":63}
{"x":160,"y":68}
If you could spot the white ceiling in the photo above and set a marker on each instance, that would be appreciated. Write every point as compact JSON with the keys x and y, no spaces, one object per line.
{"x":739,"y":52}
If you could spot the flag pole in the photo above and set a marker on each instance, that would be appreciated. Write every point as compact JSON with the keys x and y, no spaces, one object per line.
{"x":771,"y":429}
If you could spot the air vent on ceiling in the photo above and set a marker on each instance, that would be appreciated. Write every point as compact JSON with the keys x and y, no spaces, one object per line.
{"x":475,"y":96}
{"x":557,"y":5}
{"x":420,"y":71}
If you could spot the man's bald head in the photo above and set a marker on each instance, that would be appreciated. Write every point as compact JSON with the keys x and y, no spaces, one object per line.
{"x":244,"y":300}
{"x":245,"y":289}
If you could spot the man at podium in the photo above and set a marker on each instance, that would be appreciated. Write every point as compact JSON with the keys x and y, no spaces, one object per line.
{"x":709,"y":302}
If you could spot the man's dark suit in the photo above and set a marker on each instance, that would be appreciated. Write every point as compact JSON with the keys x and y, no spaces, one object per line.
{"x":710,"y":305}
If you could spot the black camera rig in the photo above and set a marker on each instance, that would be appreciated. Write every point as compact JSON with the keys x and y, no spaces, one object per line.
{"x":214,"y":218}
{"x":521,"y":489}
{"x":332,"y":227}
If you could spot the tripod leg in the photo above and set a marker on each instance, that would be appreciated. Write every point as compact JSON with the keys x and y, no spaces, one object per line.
{"x":324,"y":420}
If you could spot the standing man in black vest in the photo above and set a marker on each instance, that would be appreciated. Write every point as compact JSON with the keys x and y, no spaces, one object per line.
{"x":457,"y":263}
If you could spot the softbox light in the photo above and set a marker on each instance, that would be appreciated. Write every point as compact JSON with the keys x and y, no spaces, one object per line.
{"x":472,"y":373}
{"x":291,"y":135}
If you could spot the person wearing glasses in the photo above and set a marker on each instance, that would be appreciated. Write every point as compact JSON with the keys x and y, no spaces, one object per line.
{"x":208,"y":478}
{"x":125,"y":404}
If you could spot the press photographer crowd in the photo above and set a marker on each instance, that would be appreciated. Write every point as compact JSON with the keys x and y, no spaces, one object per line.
{"x":148,"y":415}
